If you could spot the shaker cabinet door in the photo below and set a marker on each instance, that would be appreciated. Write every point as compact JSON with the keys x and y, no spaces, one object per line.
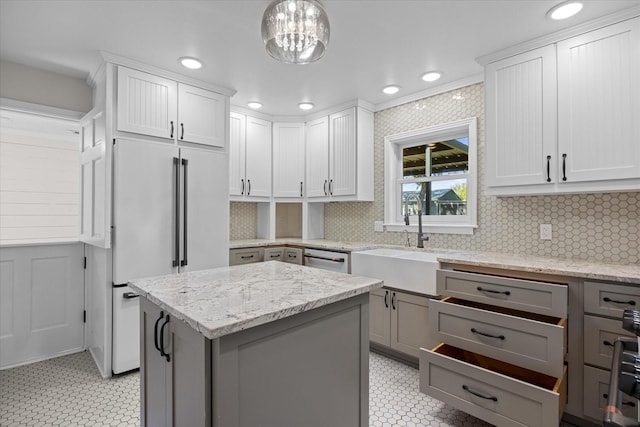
{"x":202,"y":116}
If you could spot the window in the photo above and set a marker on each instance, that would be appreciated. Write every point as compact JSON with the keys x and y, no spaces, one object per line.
{"x":39,"y":179}
{"x":432,"y":171}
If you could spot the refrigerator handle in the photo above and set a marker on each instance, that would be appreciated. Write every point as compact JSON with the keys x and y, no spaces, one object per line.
{"x":185,"y":163}
{"x":176,"y":258}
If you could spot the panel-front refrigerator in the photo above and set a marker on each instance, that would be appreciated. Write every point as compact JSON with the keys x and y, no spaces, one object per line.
{"x":170,"y":215}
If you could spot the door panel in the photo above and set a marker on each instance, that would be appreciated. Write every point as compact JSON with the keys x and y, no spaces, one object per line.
{"x":237,"y":137}
{"x":258,"y":158}
{"x":201,"y":116}
{"x":317,"y":157}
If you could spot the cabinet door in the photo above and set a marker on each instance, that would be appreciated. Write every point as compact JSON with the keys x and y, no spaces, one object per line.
{"x":146,"y":104}
{"x":599,"y":104}
{"x":258,"y":158}
{"x":521,"y":119}
{"x":237,"y":138}
{"x":379,"y":322}
{"x":202,"y":116}
{"x":153,"y":368}
{"x":288,"y":159}
{"x":317,"y":164}
{"x":409,"y":323}
{"x":342,"y":153}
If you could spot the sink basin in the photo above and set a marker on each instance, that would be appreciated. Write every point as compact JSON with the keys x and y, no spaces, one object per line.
{"x":401,"y":269}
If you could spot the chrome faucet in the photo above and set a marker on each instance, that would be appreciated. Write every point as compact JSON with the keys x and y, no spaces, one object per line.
{"x":421,"y":236}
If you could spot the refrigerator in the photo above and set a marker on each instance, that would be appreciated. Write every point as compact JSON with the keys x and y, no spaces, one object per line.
{"x":170,"y":215}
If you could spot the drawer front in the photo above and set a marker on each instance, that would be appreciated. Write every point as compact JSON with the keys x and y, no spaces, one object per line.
{"x":274,"y":254}
{"x":526,"y":295}
{"x":494,"y":397}
{"x":609,"y":299}
{"x":293,"y":256}
{"x":245,"y":256}
{"x":596,"y":387}
{"x":599,"y":337}
{"x":532,"y":344}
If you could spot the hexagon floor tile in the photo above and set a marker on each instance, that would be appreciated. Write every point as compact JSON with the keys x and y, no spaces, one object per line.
{"x":69,"y":391}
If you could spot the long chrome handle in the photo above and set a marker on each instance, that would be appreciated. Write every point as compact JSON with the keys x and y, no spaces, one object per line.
{"x":185,"y":188}
{"x":162,"y":353}
{"x":176,"y":258}
{"x":155,"y":331}
{"x":324,"y":258}
{"x":130,"y":295}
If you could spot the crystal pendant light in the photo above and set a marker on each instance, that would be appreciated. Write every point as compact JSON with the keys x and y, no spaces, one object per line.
{"x":295,"y":31}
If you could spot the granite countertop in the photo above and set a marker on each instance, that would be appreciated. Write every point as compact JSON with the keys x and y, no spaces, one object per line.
{"x":329,"y":245}
{"x":225,"y":300}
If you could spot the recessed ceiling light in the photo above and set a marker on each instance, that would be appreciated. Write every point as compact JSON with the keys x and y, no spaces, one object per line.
{"x":564,"y":10}
{"x":431,"y":76}
{"x":391,"y":89}
{"x":254,"y":104}
{"x":305,"y":106}
{"x":191,"y":63}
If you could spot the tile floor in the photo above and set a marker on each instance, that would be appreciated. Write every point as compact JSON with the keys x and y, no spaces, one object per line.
{"x":68,"y":391}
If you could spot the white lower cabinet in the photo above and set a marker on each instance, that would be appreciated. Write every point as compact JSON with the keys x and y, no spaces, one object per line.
{"x":399,"y":320}
{"x":496,"y":361}
{"x":596,"y":387}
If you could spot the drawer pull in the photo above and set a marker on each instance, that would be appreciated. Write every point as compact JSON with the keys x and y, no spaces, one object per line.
{"x":492,"y":291}
{"x":475,"y":331}
{"x":607,"y":343}
{"x":630,"y":404}
{"x":630,"y":302}
{"x":475,"y":393}
{"x":246,"y":257}
{"x":275,"y":255}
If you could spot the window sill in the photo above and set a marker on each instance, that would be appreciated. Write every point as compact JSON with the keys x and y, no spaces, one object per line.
{"x":432,"y":228}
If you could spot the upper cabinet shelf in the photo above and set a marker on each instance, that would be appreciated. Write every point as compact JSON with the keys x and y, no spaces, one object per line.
{"x":562,"y":118}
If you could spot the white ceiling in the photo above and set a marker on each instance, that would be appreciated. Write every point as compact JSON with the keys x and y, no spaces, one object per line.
{"x":373,"y":43}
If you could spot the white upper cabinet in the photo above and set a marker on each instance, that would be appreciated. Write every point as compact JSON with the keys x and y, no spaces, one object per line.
{"x":159,"y":107}
{"x":563,"y":118}
{"x":201,"y":116}
{"x":318,"y":157}
{"x":288,"y":160}
{"x":249,"y":157}
{"x":342,"y":153}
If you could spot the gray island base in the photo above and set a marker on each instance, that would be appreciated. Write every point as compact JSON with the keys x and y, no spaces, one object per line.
{"x":269,"y":344}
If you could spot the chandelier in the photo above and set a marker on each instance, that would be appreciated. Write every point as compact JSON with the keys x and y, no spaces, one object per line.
{"x":295,"y":31}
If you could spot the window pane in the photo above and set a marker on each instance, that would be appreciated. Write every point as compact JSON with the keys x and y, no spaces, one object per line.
{"x":437,"y":158}
{"x":444,"y":197}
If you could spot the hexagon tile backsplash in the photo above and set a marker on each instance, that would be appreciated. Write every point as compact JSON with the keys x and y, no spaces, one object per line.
{"x":599,"y":227}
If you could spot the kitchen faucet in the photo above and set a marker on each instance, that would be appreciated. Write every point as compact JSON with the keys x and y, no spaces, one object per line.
{"x":421,"y":236}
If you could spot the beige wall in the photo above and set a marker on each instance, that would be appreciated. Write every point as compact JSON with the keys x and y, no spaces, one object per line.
{"x":27,"y":84}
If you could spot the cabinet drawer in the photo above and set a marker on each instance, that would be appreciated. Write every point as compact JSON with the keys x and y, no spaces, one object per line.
{"x":293,"y":256}
{"x":610,"y":300}
{"x":599,"y":337}
{"x":537,"y":297}
{"x":596,"y":387}
{"x":274,"y":254}
{"x":525,"y":339}
{"x":245,"y":256}
{"x":497,"y":392}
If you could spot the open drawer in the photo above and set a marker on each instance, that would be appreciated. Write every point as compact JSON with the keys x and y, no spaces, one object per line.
{"x":497,"y":392}
{"x":534,"y":341}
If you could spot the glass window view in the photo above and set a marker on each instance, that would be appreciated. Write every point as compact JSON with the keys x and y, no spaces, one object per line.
{"x":436,"y":174}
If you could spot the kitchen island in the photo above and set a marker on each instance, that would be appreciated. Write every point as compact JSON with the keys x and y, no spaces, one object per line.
{"x":269,"y":344}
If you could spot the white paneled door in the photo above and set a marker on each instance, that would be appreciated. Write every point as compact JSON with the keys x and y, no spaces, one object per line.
{"x":41,"y":302}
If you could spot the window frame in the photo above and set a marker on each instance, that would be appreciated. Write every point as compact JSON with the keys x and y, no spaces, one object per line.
{"x":446,"y":224}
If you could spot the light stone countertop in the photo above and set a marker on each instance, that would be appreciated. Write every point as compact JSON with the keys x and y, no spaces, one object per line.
{"x":225,"y":300}
{"x":314,"y":244}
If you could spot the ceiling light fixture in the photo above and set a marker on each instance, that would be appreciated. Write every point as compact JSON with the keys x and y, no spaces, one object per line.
{"x":564,"y":10}
{"x":391,"y":89}
{"x":295,"y":31}
{"x":305,"y":106}
{"x":431,"y":76}
{"x":254,"y":105}
{"x":190,"y":63}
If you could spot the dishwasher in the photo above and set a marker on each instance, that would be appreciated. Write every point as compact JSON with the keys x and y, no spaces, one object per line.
{"x":327,"y":260}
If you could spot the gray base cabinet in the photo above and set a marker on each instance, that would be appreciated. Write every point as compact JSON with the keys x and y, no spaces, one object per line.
{"x":399,"y":321}
{"x":308,"y":369}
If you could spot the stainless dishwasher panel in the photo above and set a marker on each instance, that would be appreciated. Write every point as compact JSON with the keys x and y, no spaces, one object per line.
{"x":327,"y":260}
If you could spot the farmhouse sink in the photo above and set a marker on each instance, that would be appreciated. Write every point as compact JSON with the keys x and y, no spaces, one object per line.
{"x":401,"y":269}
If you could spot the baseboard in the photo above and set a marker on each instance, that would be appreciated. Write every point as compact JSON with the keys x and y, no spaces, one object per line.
{"x":41,"y":358}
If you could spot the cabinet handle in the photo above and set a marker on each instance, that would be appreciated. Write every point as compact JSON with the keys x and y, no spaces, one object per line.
{"x":300,"y":188}
{"x":564,"y":166}
{"x":607,"y":343}
{"x":325,"y":187}
{"x":292,"y":256}
{"x":246,"y":256}
{"x":386,"y":299}
{"x":171,"y":136}
{"x":393,"y":300}
{"x":475,"y":331}
{"x":248,"y":187}
{"x":275,"y":255}
{"x":331,"y":187}
{"x":475,"y":393}
{"x":155,"y":331}
{"x":548,"y":168}
{"x":630,"y":404}
{"x":242,"y":181}
{"x":162,"y":353}
{"x":492,"y":291}
{"x":130,"y":295}
{"x":176,"y":259}
{"x":630,"y":302}
{"x":185,"y":164}
{"x":182,"y":130}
